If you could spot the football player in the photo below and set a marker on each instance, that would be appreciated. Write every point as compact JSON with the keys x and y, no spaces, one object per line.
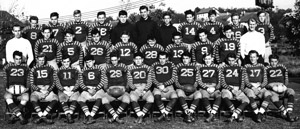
{"x":202,"y":46}
{"x":233,"y":85}
{"x":103,"y":26}
{"x":187,"y":74}
{"x":139,"y":77}
{"x":100,"y":50}
{"x":150,"y":50}
{"x":163,"y":79}
{"x":42,"y":83}
{"x":33,"y":32}
{"x":177,"y":49}
{"x":237,"y":28}
{"x":116,"y":83}
{"x":226,"y":45}
{"x":15,"y":75}
{"x":73,"y":49}
{"x":278,"y":75}
{"x":209,"y":83}
{"x":67,"y":83}
{"x":58,"y":29}
{"x":265,"y":27}
{"x":49,"y":46}
{"x":92,"y":81}
{"x":213,"y":27}
{"x":189,"y":28}
{"x":256,"y":80}
{"x":80,"y":28}
{"x":126,"y":49}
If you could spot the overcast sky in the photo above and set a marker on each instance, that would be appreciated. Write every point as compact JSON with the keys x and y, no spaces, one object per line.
{"x":42,"y":8}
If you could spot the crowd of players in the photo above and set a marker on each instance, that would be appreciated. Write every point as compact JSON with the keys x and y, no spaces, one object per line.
{"x":146,"y":62}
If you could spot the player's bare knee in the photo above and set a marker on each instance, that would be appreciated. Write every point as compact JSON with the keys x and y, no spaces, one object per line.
{"x":133,"y":98}
{"x":180,"y":93}
{"x":275,"y":98}
{"x":197,"y":95}
{"x":7,"y":96}
{"x":105,"y":100}
{"x":174,"y":95}
{"x":150,"y":99}
{"x":126,"y":99}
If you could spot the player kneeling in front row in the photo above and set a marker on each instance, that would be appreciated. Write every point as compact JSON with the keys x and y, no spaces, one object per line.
{"x":278,"y":81}
{"x":116,"y":87}
{"x":232,"y":81}
{"x":92,"y":81}
{"x":210,"y":84}
{"x":164,"y":78}
{"x":42,"y":83}
{"x":255,"y":81}
{"x":186,"y":82}
{"x":140,"y":81}
{"x":67,"y":83}
{"x":15,"y":81}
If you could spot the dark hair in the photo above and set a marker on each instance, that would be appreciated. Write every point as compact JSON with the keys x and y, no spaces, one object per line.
{"x":125,"y":33}
{"x":88,"y":57}
{"x":16,"y":25}
{"x":227,"y":27}
{"x":252,"y":19}
{"x":41,"y":54}
{"x":46,"y":28}
{"x":150,"y":37}
{"x":33,"y":18}
{"x":114,"y":54}
{"x":166,"y":14}
{"x":162,"y":53}
{"x":95,"y":31}
{"x":54,"y":14}
{"x":189,"y":12}
{"x":138,"y":54}
{"x":273,"y":57}
{"x":143,"y":7}
{"x":231,"y":55}
{"x":176,"y":34}
{"x":101,"y":13}
{"x":122,"y":12}
{"x":69,"y":31}
{"x":17,"y":53}
{"x":65,"y":57}
{"x":211,"y":12}
{"x":186,"y":53}
{"x":260,"y":12}
{"x":207,"y":54}
{"x":77,"y":11}
{"x":199,"y":31}
{"x":253,"y":51}
{"x":234,"y":14}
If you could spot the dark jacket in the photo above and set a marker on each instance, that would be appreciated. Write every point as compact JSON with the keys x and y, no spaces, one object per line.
{"x":118,"y":30}
{"x":165,"y":34}
{"x":144,"y":28}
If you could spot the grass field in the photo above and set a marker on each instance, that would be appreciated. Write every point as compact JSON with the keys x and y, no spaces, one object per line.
{"x":271,"y":122}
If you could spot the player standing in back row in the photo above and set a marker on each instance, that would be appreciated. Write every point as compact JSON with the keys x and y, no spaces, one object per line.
{"x":213,"y":27}
{"x":103,"y":25}
{"x":58,"y":29}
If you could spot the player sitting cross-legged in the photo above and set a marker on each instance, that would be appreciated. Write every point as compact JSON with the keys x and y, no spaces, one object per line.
{"x":42,"y":83}
{"x":67,"y":83}
{"x":140,"y":81}
{"x":186,"y":82}
{"x":15,"y":81}
{"x":232,"y":81}
{"x":277,"y":84}
{"x":210,"y":85}
{"x":164,"y":78}
{"x":115,"y":87}
{"x":92,"y":81}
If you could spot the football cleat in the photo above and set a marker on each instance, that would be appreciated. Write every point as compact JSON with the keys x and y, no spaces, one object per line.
{"x":12,"y":119}
{"x":160,"y":118}
{"x":210,"y":118}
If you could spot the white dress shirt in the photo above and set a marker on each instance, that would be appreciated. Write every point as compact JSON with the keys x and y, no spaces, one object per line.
{"x":19,"y":44}
{"x":252,"y":40}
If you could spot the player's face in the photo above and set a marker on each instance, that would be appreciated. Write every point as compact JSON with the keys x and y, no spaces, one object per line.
{"x":54,"y":20}
{"x":262,"y":17}
{"x":208,"y":60}
{"x":162,"y":59}
{"x":144,"y":13}
{"x":47,"y":34}
{"x":138,"y":60}
{"x":231,"y":61}
{"x":189,"y":18}
{"x":186,"y":59}
{"x":69,"y":37}
{"x":66,"y":62}
{"x":77,"y":17}
{"x":252,"y":25}
{"x":101,"y":18}
{"x":212,"y":18}
{"x":235,"y":20}
{"x":253,"y":58}
{"x":17,"y":31}
{"x":114,"y":60}
{"x":228,"y":33}
{"x":96,"y":37}
{"x":90,"y":63}
{"x":125,"y":38}
{"x":151,"y":42}
{"x":177,"y":39}
{"x":202,"y":37}
{"x":17,"y":60}
{"x":167,"y":20}
{"x":123,"y":18}
{"x":40,"y":61}
{"x":33,"y":23}
{"x":273,"y":62}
